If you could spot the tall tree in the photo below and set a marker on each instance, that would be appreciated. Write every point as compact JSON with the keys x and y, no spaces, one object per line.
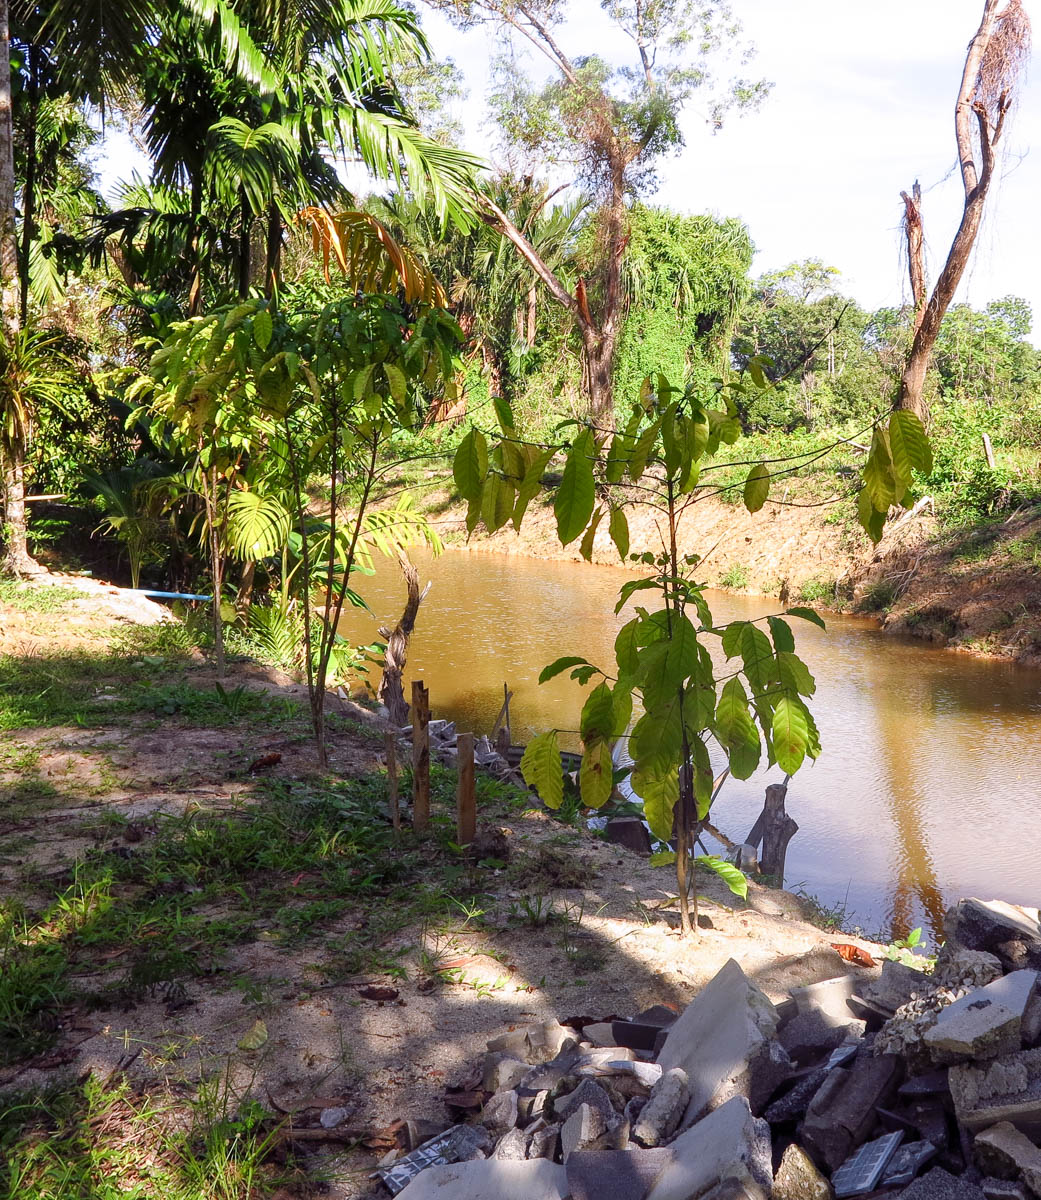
{"x":995,"y":58}
{"x":604,"y":126}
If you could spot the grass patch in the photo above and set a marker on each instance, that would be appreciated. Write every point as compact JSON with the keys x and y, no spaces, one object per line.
{"x":110,"y":1143}
{"x":146,"y":920}
{"x":736,"y":576}
{"x":27,"y":597}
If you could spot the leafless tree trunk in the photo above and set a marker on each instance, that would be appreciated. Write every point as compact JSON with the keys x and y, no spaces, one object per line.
{"x":390,"y":691}
{"x":992,"y":66}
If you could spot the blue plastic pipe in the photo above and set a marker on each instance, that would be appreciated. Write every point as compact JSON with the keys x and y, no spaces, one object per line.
{"x":166,"y":595}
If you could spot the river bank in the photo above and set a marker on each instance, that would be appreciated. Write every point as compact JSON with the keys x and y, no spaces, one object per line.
{"x":202,"y":933}
{"x":975,"y":589}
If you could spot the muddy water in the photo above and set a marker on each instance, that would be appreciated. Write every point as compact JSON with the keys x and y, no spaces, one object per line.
{"x":929,"y":786}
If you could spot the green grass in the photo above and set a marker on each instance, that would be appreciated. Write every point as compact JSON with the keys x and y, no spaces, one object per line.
{"x":815,"y":590}
{"x":94,"y":1141}
{"x":167,"y":910}
{"x":735,"y":576}
{"x":34,"y":598}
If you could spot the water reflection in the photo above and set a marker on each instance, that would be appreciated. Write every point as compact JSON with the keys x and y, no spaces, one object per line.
{"x":928,"y":783}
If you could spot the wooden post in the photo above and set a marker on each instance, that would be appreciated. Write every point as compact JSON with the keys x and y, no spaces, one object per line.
{"x":466,"y":804}
{"x":501,"y":729}
{"x":420,"y":756}
{"x":390,"y":742}
{"x":988,"y":450}
{"x":778,"y":831}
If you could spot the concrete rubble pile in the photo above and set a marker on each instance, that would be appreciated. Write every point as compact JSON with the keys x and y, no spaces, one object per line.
{"x":885,"y":1082}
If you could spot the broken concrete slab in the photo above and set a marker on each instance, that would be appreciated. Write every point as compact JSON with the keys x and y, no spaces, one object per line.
{"x":1005,"y":1089}
{"x":583,"y":1128}
{"x":512,"y":1145}
{"x":534,"y":1179}
{"x":729,"y":1142}
{"x":793,"y":1104}
{"x":810,"y":1035}
{"x":587,"y":1092}
{"x":1005,"y":1152}
{"x":660,"y":1116}
{"x":842,"y":1113}
{"x":797,"y":1178}
{"x":503,"y":1071}
{"x":985,"y":1023}
{"x":896,"y":985}
{"x":614,"y":1174}
{"x":544,"y":1142}
{"x":979,"y":1029}
{"x":1010,"y":932}
{"x":536,"y":1043}
{"x":724,"y":1041}
{"x":830,"y":998}
{"x":500,"y":1112}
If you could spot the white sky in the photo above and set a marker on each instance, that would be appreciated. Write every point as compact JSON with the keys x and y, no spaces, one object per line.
{"x":862,"y":106}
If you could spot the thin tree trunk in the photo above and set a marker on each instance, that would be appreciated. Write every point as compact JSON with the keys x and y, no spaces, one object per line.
{"x":273,"y":252}
{"x":12,"y":447}
{"x":29,"y":193}
{"x":245,"y":229}
{"x":195,"y":291}
{"x":390,"y":691}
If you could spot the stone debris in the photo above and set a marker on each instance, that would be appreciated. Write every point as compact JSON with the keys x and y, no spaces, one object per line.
{"x":660,"y":1116}
{"x":725,"y":1042}
{"x":885,"y":1082}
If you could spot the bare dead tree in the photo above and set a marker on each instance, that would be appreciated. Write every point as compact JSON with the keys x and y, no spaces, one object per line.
{"x":390,"y":691}
{"x":993,"y":63}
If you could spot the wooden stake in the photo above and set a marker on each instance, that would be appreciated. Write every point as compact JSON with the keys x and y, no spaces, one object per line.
{"x":988,"y":450}
{"x":390,"y":742}
{"x":466,"y":803}
{"x":420,"y":756}
{"x":778,"y":831}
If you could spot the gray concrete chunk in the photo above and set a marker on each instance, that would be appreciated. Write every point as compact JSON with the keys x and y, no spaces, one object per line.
{"x":729,"y":1142}
{"x":614,"y":1174}
{"x":724,"y":1041}
{"x":986,"y":1022}
{"x":660,"y":1116}
{"x":939,"y":1184}
{"x":1003,"y":1151}
{"x":1006,"y":1089}
{"x":535,"y":1179}
{"x":798,"y":1179}
{"x":842,"y":1114}
{"x":1011,"y":932}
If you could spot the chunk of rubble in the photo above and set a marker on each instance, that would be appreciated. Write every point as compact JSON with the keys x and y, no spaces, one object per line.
{"x":986,"y":1022}
{"x":809,"y":1035}
{"x":660,"y":1116}
{"x":1006,"y":1089}
{"x":842,"y":1114}
{"x":614,"y":1174}
{"x":502,"y":1071}
{"x":1005,"y":1152}
{"x":588,"y":1093}
{"x":724,"y":1041}
{"x":1009,"y":931}
{"x":830,"y":998}
{"x":534,"y":1179}
{"x":730,"y":1143}
{"x":957,"y":967}
{"x":1003,"y":1189}
{"x":500,"y":1112}
{"x":896,"y":986}
{"x":798,"y":1179}
{"x":536,"y":1043}
{"x":460,"y":1143}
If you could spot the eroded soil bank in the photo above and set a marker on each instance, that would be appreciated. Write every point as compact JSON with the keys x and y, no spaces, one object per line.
{"x":183,"y":912}
{"x":976,"y":589}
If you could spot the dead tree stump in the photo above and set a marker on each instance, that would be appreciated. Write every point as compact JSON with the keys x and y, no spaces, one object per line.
{"x":778,"y":829}
{"x":420,"y":756}
{"x":390,"y":691}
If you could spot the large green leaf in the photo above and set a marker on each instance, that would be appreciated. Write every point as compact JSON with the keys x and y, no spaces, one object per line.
{"x":790,"y":734}
{"x":618,"y":527}
{"x":589,"y":537}
{"x":757,"y":488}
{"x":659,"y":789}
{"x":596,"y":774}
{"x":736,"y":730}
{"x":909,"y":447}
{"x":470,"y":466}
{"x":576,"y":495}
{"x":731,"y":875}
{"x":258,"y":525}
{"x":541,"y":768}
{"x":795,"y":674}
{"x":561,"y":665}
{"x":806,"y":614}
{"x":597,"y":720}
{"x":626,"y":647}
{"x":879,"y":477}
{"x":529,"y":489}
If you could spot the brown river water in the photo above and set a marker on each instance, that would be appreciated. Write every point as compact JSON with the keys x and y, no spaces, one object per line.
{"x":929,"y":783}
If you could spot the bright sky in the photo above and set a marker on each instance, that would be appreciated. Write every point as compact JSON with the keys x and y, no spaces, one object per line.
{"x":862,"y":106}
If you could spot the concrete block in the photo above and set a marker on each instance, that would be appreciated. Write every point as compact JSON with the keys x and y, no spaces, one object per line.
{"x":503,"y":1071}
{"x":581,"y":1130}
{"x":985,"y":1023}
{"x":614,"y":1174}
{"x":537,"y":1043}
{"x":1010,"y":931}
{"x":724,"y":1041}
{"x":842,"y":1114}
{"x":830,"y":998}
{"x":728,"y":1143}
{"x":500,"y":1112}
{"x":812,"y":1035}
{"x":1006,"y":1089}
{"x":535,"y":1179}
{"x":798,"y":1179}
{"x":660,"y":1116}
{"x":895,"y":986}
{"x":1003,"y":1151}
